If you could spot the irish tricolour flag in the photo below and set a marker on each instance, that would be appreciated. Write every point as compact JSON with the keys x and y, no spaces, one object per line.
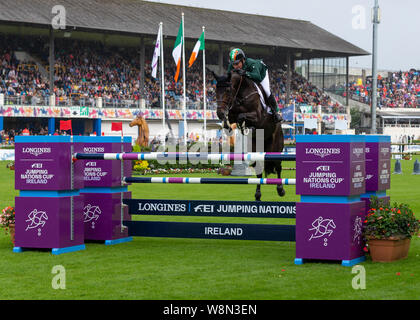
{"x":198,"y":46}
{"x":176,"y":53}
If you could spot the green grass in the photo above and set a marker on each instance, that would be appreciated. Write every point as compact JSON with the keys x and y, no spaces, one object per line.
{"x":162,"y":268}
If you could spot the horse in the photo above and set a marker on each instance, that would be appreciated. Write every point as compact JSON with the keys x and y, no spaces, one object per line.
{"x":143,"y":131}
{"x":238,"y":101}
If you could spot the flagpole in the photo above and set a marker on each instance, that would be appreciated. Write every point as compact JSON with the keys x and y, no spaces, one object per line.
{"x":184,"y":80}
{"x":162,"y":80}
{"x":204,"y":91}
{"x":294,"y":125}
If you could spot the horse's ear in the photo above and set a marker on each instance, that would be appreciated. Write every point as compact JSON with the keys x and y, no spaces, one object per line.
{"x":213,"y":73}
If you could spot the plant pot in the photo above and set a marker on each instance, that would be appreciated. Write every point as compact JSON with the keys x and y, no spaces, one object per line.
{"x":387,"y":250}
{"x":12,"y":232}
{"x":225,"y":171}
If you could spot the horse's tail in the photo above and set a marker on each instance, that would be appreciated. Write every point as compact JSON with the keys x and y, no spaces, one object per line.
{"x":275,"y":144}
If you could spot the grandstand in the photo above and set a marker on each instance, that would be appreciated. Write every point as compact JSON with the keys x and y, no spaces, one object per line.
{"x":97,"y":70}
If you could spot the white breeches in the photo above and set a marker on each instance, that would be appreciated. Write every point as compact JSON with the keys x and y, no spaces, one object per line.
{"x":265,"y":83}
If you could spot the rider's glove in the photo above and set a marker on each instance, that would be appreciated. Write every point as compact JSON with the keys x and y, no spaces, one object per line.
{"x":242,"y":72}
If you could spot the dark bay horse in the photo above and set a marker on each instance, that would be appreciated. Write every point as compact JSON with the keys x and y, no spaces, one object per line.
{"x":238,"y":101}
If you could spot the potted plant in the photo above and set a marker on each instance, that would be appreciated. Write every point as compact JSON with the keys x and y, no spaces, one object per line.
{"x":11,"y":165}
{"x":388,"y":230}
{"x":7,"y":221}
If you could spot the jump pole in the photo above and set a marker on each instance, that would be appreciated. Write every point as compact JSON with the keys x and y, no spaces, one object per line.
{"x":254,"y":181}
{"x":252,"y":156}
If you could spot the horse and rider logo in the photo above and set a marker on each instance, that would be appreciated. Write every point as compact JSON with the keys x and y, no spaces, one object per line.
{"x":322,"y":228}
{"x":358,"y":229}
{"x":91,"y":213}
{"x":37,"y":219}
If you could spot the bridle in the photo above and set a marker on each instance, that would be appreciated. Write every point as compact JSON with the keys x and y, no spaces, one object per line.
{"x":238,"y":101}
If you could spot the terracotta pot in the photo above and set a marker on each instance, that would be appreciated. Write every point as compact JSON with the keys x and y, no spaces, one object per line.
{"x":225,"y":171}
{"x":387,"y":250}
{"x":12,"y":232}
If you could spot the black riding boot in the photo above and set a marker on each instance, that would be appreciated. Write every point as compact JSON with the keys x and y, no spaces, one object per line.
{"x":272,"y":103}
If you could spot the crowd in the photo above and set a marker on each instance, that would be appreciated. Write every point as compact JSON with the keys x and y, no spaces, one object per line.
{"x":86,"y":72}
{"x":398,"y":90}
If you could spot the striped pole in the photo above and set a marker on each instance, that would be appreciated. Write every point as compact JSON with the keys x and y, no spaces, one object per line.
{"x":251,"y":156}
{"x":209,"y":180}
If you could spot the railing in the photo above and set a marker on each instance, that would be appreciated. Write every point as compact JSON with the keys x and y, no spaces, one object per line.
{"x":333,"y":109}
{"x":82,"y":101}
{"x":26,"y":100}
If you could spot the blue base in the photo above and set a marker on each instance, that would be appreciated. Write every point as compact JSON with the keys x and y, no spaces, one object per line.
{"x":54,"y":251}
{"x":350,"y":263}
{"x":57,"y":251}
{"x":118,"y":241}
{"x":344,"y":263}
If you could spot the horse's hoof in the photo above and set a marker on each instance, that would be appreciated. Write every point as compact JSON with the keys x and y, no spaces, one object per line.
{"x":281,"y":192}
{"x":258,"y":196}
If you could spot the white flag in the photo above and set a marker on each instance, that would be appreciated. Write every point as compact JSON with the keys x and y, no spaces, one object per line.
{"x":156,"y":54}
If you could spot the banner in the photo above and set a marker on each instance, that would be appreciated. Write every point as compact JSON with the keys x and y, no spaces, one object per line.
{"x":340,"y":124}
{"x":310,"y":123}
{"x":287,"y":113}
{"x":116,"y":126}
{"x":156,"y":54}
{"x":177,"y":51}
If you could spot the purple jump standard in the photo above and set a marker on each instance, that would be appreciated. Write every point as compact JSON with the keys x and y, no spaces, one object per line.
{"x":103,"y":193}
{"x":49,"y":206}
{"x":378,"y":168}
{"x":330,"y":178}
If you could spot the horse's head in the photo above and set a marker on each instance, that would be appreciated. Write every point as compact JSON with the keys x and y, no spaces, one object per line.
{"x":137,"y":121}
{"x":236,"y":79}
{"x":222,"y":95}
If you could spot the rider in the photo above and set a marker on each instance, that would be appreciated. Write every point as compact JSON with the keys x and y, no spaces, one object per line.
{"x":258,"y":72}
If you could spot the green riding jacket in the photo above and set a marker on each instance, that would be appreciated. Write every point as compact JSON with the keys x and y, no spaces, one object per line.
{"x":255,"y":69}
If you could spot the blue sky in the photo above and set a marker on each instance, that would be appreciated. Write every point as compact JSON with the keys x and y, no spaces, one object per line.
{"x":399,"y":31}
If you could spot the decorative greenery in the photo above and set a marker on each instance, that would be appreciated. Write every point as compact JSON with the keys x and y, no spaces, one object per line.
{"x":356,"y":118}
{"x":141,"y":166}
{"x":10,"y":164}
{"x":7,"y":217}
{"x":385,"y":221}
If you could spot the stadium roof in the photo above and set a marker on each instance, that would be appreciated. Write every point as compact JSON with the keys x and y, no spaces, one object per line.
{"x":143,"y":17}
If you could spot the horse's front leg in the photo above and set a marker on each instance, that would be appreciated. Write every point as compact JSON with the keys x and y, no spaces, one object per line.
{"x":247,"y":120}
{"x":280,"y":190}
{"x":258,"y":191}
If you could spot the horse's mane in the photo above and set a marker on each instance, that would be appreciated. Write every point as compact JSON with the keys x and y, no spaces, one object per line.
{"x":222,"y":82}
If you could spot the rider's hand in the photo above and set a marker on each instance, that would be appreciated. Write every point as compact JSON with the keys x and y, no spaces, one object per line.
{"x":241,"y":72}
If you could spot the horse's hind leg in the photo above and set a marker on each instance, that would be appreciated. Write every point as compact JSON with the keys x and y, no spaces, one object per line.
{"x":258,"y":191}
{"x":280,"y":190}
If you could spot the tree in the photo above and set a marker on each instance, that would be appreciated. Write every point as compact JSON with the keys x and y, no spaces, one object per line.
{"x":356,"y":118}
